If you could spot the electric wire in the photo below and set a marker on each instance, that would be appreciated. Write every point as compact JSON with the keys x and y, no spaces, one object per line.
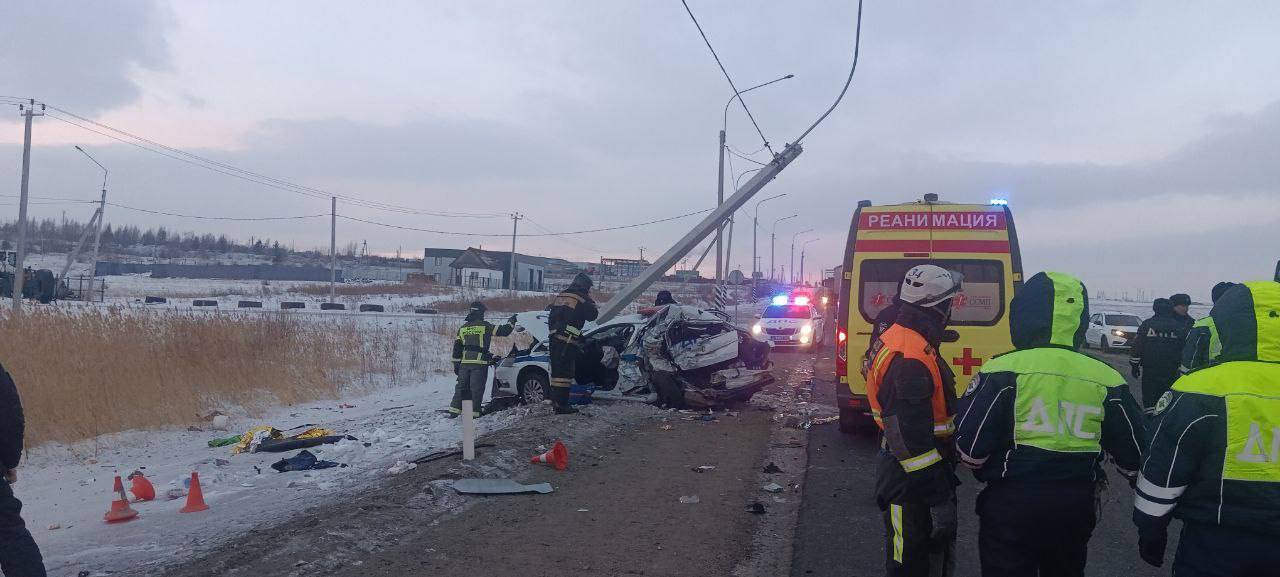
{"x":726,"y":75}
{"x":232,"y":170}
{"x":743,"y":156}
{"x":203,"y":217}
{"x":857,"y":42}
{"x":508,"y":235}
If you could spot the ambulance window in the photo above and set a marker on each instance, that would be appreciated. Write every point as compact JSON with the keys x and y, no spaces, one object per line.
{"x":981,"y":303}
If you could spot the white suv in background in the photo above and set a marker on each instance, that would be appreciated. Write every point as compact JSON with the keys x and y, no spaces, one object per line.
{"x":1111,"y":330}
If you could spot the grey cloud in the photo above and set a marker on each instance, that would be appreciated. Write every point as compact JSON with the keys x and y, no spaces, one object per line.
{"x":82,"y":54}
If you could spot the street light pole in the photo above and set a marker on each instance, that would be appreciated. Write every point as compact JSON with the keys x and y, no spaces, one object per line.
{"x":28,"y":111}
{"x":755,"y":227}
{"x":773,"y":238}
{"x":793,"y":253}
{"x":802,"y":249}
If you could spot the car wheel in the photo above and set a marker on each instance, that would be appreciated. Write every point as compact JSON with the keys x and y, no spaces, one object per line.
{"x":533,"y":386}
{"x":1102,"y":344}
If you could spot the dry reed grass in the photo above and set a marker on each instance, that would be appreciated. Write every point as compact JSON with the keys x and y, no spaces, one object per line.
{"x":88,"y":372}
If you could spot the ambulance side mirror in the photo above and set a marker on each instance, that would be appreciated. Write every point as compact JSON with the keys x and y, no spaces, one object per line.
{"x":950,"y":336}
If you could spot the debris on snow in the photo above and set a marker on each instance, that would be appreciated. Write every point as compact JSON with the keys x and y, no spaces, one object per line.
{"x":402,"y":466}
{"x":772,"y":488}
{"x":498,"y":487}
{"x":690,"y":499}
{"x":772,"y":468}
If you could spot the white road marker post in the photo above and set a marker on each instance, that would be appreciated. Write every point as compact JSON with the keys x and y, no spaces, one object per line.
{"x":468,"y":431}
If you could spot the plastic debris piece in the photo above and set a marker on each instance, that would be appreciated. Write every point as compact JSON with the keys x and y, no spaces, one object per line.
{"x":584,"y":510}
{"x":498,"y":487}
{"x":704,"y":468}
{"x":402,"y":466}
{"x":690,"y":499}
{"x":772,"y":488}
{"x":55,"y":526}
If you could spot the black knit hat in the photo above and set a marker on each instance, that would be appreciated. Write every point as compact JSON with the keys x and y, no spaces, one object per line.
{"x":1180,"y":299}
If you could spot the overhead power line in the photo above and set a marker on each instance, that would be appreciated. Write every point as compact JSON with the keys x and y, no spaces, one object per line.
{"x":203,"y":217}
{"x":507,"y":235}
{"x":727,"y":77}
{"x":155,"y":147}
{"x":857,"y":41}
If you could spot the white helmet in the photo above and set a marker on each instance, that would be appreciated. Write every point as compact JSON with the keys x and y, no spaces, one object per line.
{"x":928,"y":285}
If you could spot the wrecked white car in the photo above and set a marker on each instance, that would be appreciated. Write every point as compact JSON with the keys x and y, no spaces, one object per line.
{"x":676,"y":355}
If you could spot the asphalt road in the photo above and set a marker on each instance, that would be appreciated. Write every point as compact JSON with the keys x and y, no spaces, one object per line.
{"x":840,"y":532}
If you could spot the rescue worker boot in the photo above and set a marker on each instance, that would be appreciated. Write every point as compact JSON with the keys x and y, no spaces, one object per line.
{"x":560,"y":399}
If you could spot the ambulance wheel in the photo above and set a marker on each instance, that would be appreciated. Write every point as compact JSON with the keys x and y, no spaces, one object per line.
{"x":533,"y":386}
{"x":1102,"y":344}
{"x":854,"y":422}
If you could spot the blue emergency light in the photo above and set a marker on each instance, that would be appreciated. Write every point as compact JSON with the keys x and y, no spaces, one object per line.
{"x":779,"y":300}
{"x":999,"y":202}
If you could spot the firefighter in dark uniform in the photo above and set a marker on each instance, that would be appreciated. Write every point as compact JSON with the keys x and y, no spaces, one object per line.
{"x":19,"y":554}
{"x":570,"y":310}
{"x":912,"y":395}
{"x":471,"y":358}
{"x":1157,"y":352}
{"x":1203,"y":345}
{"x":1035,"y":426}
{"x":1214,"y":459}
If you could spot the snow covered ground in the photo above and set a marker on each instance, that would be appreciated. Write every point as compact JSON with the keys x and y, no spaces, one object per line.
{"x":70,"y":486}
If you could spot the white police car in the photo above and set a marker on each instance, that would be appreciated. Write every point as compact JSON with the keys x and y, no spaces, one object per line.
{"x":526,"y":374}
{"x":790,"y":321}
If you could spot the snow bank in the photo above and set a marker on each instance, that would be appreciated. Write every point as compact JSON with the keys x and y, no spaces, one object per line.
{"x":71,"y":486}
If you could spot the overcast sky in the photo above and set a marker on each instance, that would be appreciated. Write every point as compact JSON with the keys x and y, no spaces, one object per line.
{"x":1138,"y":143}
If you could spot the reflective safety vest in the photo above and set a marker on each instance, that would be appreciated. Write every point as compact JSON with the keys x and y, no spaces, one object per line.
{"x":1215,"y":345}
{"x":908,"y":343}
{"x":475,"y":339}
{"x":1058,"y":398}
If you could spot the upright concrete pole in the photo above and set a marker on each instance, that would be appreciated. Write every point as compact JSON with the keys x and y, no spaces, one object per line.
{"x":333,"y":248}
{"x":511,"y":282}
{"x":28,"y":111}
{"x":720,"y":229}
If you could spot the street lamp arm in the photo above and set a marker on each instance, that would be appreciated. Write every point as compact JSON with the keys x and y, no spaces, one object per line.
{"x":738,"y":96}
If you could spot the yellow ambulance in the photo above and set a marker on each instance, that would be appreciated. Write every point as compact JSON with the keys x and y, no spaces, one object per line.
{"x":977,"y":240}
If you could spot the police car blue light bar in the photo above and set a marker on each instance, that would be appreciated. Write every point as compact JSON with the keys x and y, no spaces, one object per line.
{"x":779,"y":300}
{"x":999,"y":202}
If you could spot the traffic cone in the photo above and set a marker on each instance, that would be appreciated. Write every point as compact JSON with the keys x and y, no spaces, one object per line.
{"x":142,"y":489}
{"x":195,"y":497}
{"x":557,"y":457}
{"x":120,"y":510}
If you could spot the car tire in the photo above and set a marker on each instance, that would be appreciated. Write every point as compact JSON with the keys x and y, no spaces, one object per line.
{"x":1102,"y":344}
{"x":533,"y":386}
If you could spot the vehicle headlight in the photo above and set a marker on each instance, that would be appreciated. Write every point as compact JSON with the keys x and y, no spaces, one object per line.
{"x":806,"y":329}
{"x":1118,"y":333}
{"x":755,"y":329}
{"x":804,"y":339}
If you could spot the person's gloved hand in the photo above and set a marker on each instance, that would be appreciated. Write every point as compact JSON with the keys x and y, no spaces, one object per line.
{"x":1135,"y":369}
{"x":457,"y":368}
{"x":943,"y":517}
{"x":1151,"y":548}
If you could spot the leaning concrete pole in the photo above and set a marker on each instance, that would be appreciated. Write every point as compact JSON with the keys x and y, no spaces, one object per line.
{"x":708,"y":225}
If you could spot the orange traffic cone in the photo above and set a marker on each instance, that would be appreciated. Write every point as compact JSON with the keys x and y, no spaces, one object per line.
{"x":142,"y":489}
{"x":557,"y":457}
{"x":120,"y":510}
{"x":195,"y":497}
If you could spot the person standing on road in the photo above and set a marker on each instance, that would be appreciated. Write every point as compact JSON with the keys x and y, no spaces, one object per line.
{"x":1213,"y":460}
{"x":19,"y":554}
{"x":1157,"y":352}
{"x":570,"y":310}
{"x":912,"y":395}
{"x":1181,"y":303}
{"x":664,"y":298}
{"x":471,"y":358}
{"x":1202,"y":345}
{"x":1035,"y":426}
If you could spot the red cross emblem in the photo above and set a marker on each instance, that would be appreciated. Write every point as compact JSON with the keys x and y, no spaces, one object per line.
{"x":967,"y":360}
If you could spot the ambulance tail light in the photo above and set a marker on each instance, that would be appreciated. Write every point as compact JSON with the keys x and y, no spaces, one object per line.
{"x":842,"y":353}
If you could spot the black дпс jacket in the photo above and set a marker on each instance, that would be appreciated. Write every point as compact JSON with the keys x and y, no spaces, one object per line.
{"x":1214,"y":456}
{"x":12,"y":423}
{"x":1044,"y":412}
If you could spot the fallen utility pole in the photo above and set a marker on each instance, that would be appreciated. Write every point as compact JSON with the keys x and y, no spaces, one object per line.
{"x":700,"y":232}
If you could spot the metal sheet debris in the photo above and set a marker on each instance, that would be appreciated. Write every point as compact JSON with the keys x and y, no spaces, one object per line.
{"x":498,"y":487}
